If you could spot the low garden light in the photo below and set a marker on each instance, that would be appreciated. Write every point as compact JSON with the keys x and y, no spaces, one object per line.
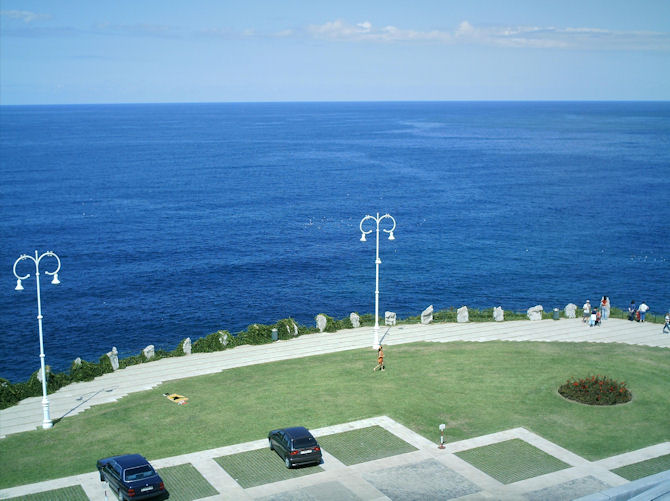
{"x":442,"y":428}
{"x":46,"y":423}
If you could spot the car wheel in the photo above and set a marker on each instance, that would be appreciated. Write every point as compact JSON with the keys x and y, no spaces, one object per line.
{"x":270,"y":442}
{"x":287,"y":463}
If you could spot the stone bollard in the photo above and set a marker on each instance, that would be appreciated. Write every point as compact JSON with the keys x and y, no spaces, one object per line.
{"x":355,"y":320}
{"x":498,"y":314}
{"x":427,"y":315}
{"x":321,"y":322}
{"x":149,"y":352}
{"x":570,"y":310}
{"x":389,"y":318}
{"x":186,"y":346}
{"x":462,"y":314}
{"x":47,"y":369}
{"x":535,"y":313}
{"x":114,"y":358}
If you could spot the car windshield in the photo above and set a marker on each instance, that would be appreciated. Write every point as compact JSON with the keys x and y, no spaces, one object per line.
{"x":304,"y":442}
{"x":138,"y":473}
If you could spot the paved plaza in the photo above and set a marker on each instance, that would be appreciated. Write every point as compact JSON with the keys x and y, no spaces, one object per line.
{"x":426,"y":473}
{"x":423,"y":473}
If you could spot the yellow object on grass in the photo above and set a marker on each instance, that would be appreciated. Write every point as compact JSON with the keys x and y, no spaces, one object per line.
{"x":180,"y":399}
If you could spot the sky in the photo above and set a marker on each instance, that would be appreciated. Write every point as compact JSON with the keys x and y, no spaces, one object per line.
{"x":72,"y":52}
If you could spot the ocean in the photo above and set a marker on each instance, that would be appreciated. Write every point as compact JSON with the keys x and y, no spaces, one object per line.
{"x":177,"y":220}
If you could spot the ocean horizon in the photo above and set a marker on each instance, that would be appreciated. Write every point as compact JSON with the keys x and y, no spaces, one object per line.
{"x":177,"y":220}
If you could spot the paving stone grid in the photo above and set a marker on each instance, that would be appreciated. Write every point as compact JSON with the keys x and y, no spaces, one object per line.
{"x":426,"y":473}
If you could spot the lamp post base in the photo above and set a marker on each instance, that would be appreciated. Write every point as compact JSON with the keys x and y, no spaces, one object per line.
{"x":46,"y":422}
{"x":375,"y":342}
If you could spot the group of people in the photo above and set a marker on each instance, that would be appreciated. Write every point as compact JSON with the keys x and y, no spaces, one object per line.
{"x":594,"y":315}
{"x":637,"y":313}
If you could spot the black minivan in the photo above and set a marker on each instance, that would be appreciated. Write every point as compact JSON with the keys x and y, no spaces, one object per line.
{"x":295,"y":445}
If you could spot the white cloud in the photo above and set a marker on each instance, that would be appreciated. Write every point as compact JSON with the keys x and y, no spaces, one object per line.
{"x":497,"y":36}
{"x":24,"y":15}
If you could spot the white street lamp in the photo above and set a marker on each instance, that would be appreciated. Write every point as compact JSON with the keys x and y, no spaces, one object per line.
{"x":378,"y":261}
{"x":46,"y":423}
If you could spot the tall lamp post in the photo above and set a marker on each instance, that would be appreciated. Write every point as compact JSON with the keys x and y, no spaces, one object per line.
{"x":46,"y":423}
{"x":378,"y":261}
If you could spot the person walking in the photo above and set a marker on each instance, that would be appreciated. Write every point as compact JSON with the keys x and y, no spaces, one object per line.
{"x":380,"y":359}
{"x":643,"y":309}
{"x":632,"y":310}
{"x":605,"y":307}
{"x":667,"y":323}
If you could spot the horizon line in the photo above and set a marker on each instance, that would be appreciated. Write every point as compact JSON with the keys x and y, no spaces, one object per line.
{"x":352,"y":101}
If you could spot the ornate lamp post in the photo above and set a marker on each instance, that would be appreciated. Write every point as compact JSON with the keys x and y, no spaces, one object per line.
{"x":46,"y":423}
{"x":378,"y":261}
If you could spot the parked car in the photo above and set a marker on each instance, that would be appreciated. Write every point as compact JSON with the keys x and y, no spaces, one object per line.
{"x":295,"y":446}
{"x":132,"y":477}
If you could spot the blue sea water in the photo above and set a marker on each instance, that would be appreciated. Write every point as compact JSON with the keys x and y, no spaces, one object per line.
{"x":176,"y":220}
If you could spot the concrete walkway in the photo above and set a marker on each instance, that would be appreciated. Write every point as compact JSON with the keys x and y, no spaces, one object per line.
{"x":78,"y":397}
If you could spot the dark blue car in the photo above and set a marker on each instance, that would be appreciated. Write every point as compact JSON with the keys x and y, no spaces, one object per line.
{"x":132,"y":477}
{"x":296,"y":446}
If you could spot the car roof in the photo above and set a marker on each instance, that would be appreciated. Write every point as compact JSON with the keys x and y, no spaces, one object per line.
{"x":297,"y":432}
{"x":130,"y":460}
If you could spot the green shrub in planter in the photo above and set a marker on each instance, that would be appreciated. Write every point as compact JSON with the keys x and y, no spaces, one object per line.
{"x":105,"y":364}
{"x":56,"y":381}
{"x":10,"y":393}
{"x":257,"y":334}
{"x":367,"y":320}
{"x":210,"y":343}
{"x":595,"y":390}
{"x":344,"y":323}
{"x":161,"y":353}
{"x":85,"y":371}
{"x":132,"y":360}
{"x":286,"y":328}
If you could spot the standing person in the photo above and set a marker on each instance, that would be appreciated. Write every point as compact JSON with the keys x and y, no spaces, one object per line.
{"x":667,"y":323}
{"x":632,"y":310}
{"x":643,"y":309}
{"x":605,"y":307}
{"x":586,"y":313}
{"x":594,"y":316}
{"x":380,"y":359}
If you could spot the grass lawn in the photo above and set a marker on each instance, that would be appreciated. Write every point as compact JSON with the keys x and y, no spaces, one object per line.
{"x":475,"y":388}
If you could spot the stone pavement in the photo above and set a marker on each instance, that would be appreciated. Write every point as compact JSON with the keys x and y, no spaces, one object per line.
{"x":429,"y":473}
{"x":78,"y":397}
